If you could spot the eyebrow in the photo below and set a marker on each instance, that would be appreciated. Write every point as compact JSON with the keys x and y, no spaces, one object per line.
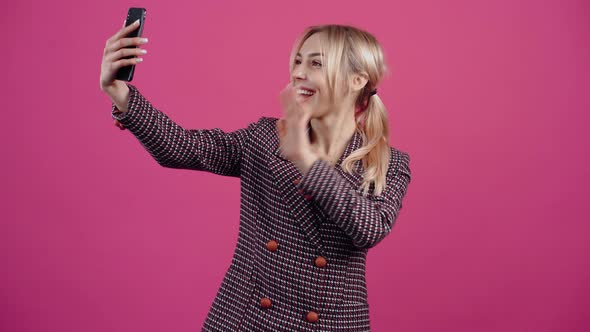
{"x":312,"y":54}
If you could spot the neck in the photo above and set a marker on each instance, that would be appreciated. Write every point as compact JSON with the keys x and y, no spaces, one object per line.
{"x":330,"y":134}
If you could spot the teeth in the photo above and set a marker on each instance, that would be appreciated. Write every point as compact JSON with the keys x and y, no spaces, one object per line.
{"x":304,"y":92}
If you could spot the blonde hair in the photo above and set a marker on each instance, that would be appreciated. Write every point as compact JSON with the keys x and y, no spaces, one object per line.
{"x":348,"y":50}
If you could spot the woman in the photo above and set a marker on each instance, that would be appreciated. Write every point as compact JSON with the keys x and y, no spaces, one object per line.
{"x":319,"y":187}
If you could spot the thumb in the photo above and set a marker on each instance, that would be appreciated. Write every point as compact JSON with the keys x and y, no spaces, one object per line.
{"x":281,"y":127}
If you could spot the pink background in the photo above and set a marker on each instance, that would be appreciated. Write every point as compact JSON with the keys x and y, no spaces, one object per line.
{"x":490,"y":98}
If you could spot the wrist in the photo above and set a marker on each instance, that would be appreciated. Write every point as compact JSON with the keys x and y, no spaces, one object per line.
{"x":305,"y":162}
{"x":119,"y":94}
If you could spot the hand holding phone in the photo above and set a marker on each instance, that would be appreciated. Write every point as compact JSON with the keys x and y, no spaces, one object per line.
{"x":125,"y":73}
{"x":122,"y":51}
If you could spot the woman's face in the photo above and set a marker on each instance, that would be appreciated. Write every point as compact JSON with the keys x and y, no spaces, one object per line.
{"x":308,"y":76}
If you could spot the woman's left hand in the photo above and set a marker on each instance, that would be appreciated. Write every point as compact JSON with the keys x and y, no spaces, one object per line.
{"x":294,"y":137}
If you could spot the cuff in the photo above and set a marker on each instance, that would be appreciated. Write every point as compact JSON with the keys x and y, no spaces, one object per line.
{"x":132,"y":103}
{"x":314,"y":182}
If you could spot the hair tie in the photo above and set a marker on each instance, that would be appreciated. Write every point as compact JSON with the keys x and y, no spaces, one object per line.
{"x":359,"y":110}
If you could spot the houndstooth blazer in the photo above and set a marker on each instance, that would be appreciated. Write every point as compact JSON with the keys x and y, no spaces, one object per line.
{"x":299,"y":264}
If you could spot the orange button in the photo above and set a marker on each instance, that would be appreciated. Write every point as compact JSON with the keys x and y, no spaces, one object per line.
{"x":312,"y":317}
{"x":320,"y":261}
{"x":272,"y":245}
{"x":307,"y":197}
{"x":296,"y":181}
{"x":265,"y":303}
{"x":118,"y":124}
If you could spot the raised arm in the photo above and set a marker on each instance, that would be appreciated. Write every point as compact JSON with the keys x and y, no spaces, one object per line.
{"x":366,"y":221}
{"x":172,"y":146}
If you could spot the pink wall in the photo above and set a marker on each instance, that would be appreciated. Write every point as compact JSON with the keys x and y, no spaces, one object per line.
{"x":490,"y":98}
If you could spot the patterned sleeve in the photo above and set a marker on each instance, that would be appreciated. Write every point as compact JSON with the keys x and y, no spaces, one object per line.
{"x":366,"y":221}
{"x":172,"y":146}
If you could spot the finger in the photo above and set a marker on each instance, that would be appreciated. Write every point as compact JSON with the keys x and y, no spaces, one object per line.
{"x":126,"y":29}
{"x":124,"y":42}
{"x":125,"y":52}
{"x":291,"y":104}
{"x":288,"y":93}
{"x":125,"y":62}
{"x":288,"y":86}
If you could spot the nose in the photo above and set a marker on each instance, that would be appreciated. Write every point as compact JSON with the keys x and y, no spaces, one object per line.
{"x":299,"y":74}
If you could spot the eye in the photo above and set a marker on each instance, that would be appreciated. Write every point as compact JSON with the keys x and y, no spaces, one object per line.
{"x":317,"y":63}
{"x":297,"y":61}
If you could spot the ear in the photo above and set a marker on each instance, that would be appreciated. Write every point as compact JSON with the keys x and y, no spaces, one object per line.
{"x":359,"y":80}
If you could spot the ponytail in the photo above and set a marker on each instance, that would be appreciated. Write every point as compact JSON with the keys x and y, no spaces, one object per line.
{"x":373,"y":125}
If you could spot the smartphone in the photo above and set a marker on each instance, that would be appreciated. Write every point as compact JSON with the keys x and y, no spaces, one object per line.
{"x":125,"y":73}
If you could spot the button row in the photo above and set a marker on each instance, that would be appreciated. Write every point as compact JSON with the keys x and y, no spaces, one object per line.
{"x":273,"y":245}
{"x":266,"y":303}
{"x":311,"y":316}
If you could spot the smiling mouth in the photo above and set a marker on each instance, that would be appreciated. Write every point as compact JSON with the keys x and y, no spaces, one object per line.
{"x":304,"y":93}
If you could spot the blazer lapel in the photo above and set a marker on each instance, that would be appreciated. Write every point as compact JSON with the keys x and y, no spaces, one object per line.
{"x":356,"y":177}
{"x":286,"y":173}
